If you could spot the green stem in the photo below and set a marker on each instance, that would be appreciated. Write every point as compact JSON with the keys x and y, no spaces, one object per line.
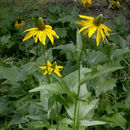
{"x":76,"y":103}
{"x":44,"y":56}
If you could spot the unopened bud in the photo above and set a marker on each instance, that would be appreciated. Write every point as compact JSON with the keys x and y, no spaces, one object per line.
{"x":41,"y":24}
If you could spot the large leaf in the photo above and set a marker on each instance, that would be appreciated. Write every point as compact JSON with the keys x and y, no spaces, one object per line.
{"x":105,"y":85}
{"x":116,"y":120}
{"x":91,"y":123}
{"x":15,"y":74}
{"x":66,"y":86}
{"x":94,"y":74}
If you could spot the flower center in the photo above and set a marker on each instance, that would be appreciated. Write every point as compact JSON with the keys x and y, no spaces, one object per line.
{"x":97,"y":21}
{"x":41,"y":24}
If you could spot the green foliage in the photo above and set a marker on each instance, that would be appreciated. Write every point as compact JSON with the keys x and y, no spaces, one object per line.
{"x":29,"y":102}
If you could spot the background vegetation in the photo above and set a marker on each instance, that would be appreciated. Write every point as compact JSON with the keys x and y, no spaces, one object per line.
{"x":26,"y":100}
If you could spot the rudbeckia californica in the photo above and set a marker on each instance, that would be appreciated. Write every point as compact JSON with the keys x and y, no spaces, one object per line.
{"x":86,"y":3}
{"x":91,"y":25}
{"x":114,"y":4}
{"x":52,"y":68}
{"x":41,"y":32}
{"x":19,"y":23}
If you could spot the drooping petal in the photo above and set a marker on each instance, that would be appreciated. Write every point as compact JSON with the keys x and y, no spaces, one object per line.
{"x":29,"y":35}
{"x":85,"y":27}
{"x":53,"y":33}
{"x":103,"y":36}
{"x":98,"y":36}
{"x":50,"y":36}
{"x":43,"y":37}
{"x":36,"y":37}
{"x":92,"y":30}
{"x":85,"y":32}
{"x":105,"y":27}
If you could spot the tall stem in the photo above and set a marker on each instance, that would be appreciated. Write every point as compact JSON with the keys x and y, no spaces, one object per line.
{"x":76,"y":103}
{"x":44,"y":56}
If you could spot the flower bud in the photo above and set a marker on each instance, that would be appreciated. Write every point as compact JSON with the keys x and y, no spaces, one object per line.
{"x":98,"y":20}
{"x":41,"y":24}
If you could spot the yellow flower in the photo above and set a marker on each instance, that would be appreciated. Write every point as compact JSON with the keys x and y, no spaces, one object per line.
{"x":57,"y":70}
{"x":52,"y":68}
{"x":91,"y":25}
{"x":114,"y":4}
{"x":48,"y":67}
{"x":86,"y":3}
{"x":41,"y":32}
{"x":117,"y":4}
{"x":19,"y":23}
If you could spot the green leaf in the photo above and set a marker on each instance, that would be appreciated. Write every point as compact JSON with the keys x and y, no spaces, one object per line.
{"x":66,"y":86}
{"x":86,"y":111}
{"x":38,"y":124}
{"x":116,"y":120}
{"x":105,"y":85}
{"x":11,"y":73}
{"x":97,"y":73}
{"x":62,"y":32}
{"x":67,"y":121}
{"x":67,"y":47}
{"x":3,"y":105}
{"x":55,"y":88}
{"x":91,"y":123}
{"x":72,"y":79}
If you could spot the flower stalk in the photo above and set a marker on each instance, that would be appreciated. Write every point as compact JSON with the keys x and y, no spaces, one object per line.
{"x":44,"y":56}
{"x":75,"y":125}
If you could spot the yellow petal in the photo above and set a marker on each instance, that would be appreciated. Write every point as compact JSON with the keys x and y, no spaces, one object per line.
{"x":45,"y":73}
{"x":48,"y":27}
{"x":58,"y":73}
{"x":31,"y":29}
{"x":103,"y":36}
{"x":29,"y":35}
{"x":85,"y":27}
{"x":98,"y":36}
{"x":42,"y":67}
{"x":53,"y":33}
{"x":49,"y":63}
{"x":105,"y":27}
{"x":36,"y":37}
{"x":50,"y":36}
{"x":85,"y":32}
{"x":86,"y":17}
{"x":42,"y":37}
{"x":83,"y":23}
{"x":60,"y":67}
{"x":92,"y":30}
